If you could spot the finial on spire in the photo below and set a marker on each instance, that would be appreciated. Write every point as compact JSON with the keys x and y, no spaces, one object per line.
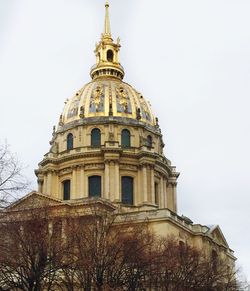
{"x":107,"y":31}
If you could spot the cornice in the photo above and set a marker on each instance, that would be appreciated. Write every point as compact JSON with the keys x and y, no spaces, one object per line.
{"x":102,"y":120}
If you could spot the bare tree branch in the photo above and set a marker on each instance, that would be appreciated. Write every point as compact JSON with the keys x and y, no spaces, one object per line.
{"x":12,"y":181}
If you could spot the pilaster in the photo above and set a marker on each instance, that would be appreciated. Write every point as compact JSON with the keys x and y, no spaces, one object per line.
{"x":152,"y":176}
{"x":161,"y":193}
{"x":49,"y":178}
{"x":82,"y":193}
{"x":117,"y":182}
{"x":106,"y":174}
{"x":145,"y":188}
{"x":74,"y":182}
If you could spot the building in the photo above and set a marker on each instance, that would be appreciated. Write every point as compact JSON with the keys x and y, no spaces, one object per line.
{"x":108,"y":149}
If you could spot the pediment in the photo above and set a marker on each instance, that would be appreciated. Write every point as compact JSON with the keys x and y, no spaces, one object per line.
{"x":33,"y":200}
{"x":216,"y":233}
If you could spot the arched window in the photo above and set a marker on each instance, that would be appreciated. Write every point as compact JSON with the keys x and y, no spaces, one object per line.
{"x":127,"y":190}
{"x":149,"y":141}
{"x":95,"y":187}
{"x":95,"y":137}
{"x":110,"y":56}
{"x":70,"y":141}
{"x":66,"y":190}
{"x":126,"y":138}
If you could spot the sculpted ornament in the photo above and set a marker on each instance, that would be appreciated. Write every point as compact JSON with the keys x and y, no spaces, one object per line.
{"x":81,"y":115}
{"x":122,"y":100}
{"x":144,"y":107}
{"x":138,"y":113}
{"x":73,"y":109}
{"x":96,"y":101}
{"x":128,"y":167}
{"x":111,"y":136}
{"x":53,"y":143}
{"x":94,"y":166}
{"x":61,"y":123}
{"x":54,"y":148}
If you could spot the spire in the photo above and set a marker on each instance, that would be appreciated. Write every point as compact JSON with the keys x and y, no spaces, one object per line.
{"x":107,"y":54}
{"x":107,"y":31}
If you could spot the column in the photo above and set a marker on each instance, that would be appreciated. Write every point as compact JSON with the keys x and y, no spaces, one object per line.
{"x":112,"y":181}
{"x":44,"y":184}
{"x":106,"y":191}
{"x":152,"y":173}
{"x":82,"y":193}
{"x":174,"y":196}
{"x":161,"y":199}
{"x":49,"y":183}
{"x":73,"y":184}
{"x":164,"y":193}
{"x":56,"y":185}
{"x":145,"y":190}
{"x":40,"y":183}
{"x":117,"y":183}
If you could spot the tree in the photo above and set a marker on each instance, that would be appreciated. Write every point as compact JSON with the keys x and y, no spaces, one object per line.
{"x":29,"y":253}
{"x":104,"y":254}
{"x":12,"y":181}
{"x":180,"y":267}
{"x":43,"y":249}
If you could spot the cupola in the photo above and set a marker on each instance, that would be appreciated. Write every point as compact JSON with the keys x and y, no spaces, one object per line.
{"x":107,"y":54}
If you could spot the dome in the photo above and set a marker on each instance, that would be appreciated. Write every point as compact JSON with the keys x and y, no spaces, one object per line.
{"x":108,"y":144}
{"x":106,"y":97}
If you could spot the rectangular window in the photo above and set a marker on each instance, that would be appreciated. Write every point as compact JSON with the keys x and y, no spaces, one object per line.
{"x":127,"y":190}
{"x":66,"y":190}
{"x":95,"y":187}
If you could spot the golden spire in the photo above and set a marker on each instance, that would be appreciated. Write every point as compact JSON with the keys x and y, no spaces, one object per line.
{"x":107,"y":31}
{"x":107,"y":54}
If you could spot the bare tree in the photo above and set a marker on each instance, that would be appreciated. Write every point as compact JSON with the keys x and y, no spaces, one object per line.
{"x":29,"y":253}
{"x":104,"y":254}
{"x":100,"y":251}
{"x":181,"y":267}
{"x":12,"y":181}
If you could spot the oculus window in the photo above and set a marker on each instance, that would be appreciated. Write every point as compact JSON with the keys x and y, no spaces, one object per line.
{"x":127,"y":190}
{"x":95,"y":187}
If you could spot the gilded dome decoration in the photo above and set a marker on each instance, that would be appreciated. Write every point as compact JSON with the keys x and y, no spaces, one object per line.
{"x":95,"y":99}
{"x":107,"y":95}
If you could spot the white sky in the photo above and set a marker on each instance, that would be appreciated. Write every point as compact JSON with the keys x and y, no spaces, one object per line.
{"x":189,"y":58}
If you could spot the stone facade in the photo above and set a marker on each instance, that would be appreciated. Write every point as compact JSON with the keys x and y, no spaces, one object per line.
{"x":107,"y":130}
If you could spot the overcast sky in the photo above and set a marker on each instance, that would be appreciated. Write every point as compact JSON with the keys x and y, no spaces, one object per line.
{"x":189,"y":58}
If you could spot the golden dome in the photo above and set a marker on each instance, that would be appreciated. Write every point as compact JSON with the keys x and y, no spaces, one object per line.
{"x":107,"y":97}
